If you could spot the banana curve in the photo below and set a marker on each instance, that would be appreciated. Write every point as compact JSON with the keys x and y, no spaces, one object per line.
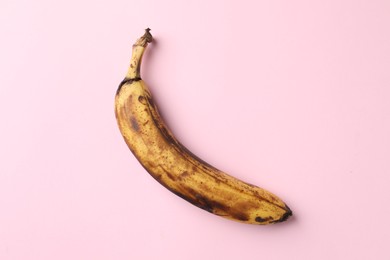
{"x":177,"y":168}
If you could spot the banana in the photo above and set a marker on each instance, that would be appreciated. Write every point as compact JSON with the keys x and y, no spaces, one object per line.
{"x":175,"y":167}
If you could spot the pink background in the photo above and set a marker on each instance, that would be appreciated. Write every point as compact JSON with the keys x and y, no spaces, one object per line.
{"x":293,"y":96}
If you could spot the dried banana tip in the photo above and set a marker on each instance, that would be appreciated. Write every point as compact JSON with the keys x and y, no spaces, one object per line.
{"x":145,"y":39}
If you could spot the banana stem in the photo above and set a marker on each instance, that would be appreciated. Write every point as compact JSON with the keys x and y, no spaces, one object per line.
{"x":136,"y":57}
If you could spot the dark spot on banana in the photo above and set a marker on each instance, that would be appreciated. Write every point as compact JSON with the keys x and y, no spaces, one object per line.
{"x":151,"y":102}
{"x":183,"y":175}
{"x":239,"y":215}
{"x":138,"y":69}
{"x":164,"y":132}
{"x":142,"y":100}
{"x":134,"y":124}
{"x":209,"y":205}
{"x":261,"y":220}
{"x":204,"y":203}
{"x":169,"y":175}
{"x":126,"y":81}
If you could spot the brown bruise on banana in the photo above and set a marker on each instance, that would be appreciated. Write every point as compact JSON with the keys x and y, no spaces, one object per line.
{"x":189,"y":177}
{"x":175,"y":167}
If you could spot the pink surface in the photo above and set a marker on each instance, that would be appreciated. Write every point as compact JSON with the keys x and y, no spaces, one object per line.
{"x":293,"y":96}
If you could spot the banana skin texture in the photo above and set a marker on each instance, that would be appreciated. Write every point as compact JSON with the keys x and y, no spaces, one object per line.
{"x":175,"y":167}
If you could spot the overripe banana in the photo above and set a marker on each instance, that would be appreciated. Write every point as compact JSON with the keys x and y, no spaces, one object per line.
{"x":175,"y":167}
